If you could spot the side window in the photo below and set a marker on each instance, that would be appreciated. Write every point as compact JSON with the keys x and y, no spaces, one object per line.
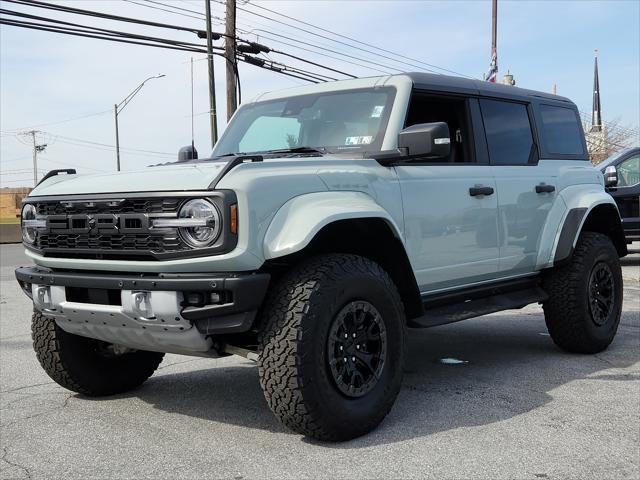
{"x":629,"y":172}
{"x":508,"y":131}
{"x":425,"y":108}
{"x":561,"y":131}
{"x":270,"y":133}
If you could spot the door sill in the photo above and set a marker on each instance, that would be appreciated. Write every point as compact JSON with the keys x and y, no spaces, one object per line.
{"x":450,"y":307}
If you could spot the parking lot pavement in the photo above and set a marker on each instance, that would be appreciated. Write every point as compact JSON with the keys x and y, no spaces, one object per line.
{"x":516,"y":408}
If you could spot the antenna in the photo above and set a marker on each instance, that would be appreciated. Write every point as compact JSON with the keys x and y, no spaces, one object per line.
{"x":192,"y":141}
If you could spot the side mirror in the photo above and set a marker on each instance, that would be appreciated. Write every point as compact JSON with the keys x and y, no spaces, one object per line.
{"x":610,"y":176}
{"x":429,"y":140}
{"x":187,"y":153}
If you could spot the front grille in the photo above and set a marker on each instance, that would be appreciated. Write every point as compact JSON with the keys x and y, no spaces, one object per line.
{"x":108,"y":228}
{"x":127,"y":205}
{"x":157,"y":243}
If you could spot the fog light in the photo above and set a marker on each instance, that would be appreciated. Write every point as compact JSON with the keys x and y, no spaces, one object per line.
{"x":42,"y":297}
{"x":142,"y":304}
{"x":195,"y":298}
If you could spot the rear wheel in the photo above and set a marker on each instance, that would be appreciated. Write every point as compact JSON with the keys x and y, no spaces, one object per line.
{"x":585,"y":296}
{"x":89,"y":366}
{"x":332,"y":347}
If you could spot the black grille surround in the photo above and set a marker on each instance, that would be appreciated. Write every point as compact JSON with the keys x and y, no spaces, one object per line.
{"x":119,"y":226}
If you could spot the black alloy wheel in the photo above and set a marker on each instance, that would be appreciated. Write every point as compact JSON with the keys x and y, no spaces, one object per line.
{"x":357,"y":348}
{"x":601,"y":293}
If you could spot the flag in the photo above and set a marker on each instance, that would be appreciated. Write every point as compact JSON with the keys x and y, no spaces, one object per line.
{"x":493,"y":67}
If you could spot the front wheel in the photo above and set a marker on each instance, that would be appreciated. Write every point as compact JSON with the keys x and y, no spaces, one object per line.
{"x":332,"y":347}
{"x":89,"y":366}
{"x":585,"y":296}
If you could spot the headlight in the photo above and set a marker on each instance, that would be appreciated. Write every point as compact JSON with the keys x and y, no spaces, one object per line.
{"x":206,"y":222}
{"x":29,"y":223}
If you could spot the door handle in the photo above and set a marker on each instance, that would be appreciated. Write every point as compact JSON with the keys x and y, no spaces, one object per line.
{"x":544,"y":188}
{"x":480,"y":190}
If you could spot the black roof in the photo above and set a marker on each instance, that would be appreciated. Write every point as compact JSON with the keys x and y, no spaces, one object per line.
{"x":430,"y":81}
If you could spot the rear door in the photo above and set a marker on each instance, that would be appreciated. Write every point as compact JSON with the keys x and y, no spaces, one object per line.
{"x":627,"y":193}
{"x":450,"y":226}
{"x":525,"y":189}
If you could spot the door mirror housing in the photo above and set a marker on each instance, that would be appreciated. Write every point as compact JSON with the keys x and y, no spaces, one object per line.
{"x":610,"y":176}
{"x":425,"y":140}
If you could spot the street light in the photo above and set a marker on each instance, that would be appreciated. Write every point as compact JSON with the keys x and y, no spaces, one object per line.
{"x":118,"y":107}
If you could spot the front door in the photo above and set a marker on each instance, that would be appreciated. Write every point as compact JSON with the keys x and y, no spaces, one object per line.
{"x":450,"y":234}
{"x":450,"y":204}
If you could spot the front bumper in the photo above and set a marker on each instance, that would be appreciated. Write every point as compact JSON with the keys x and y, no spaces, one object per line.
{"x":152,"y":312}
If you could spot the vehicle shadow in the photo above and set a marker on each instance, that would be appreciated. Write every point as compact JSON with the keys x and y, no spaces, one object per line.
{"x":512,"y":368}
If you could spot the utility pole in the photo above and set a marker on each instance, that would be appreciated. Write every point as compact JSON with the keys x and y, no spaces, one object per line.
{"x":494,"y":24}
{"x":230,"y":55}
{"x":212,"y":86}
{"x":36,"y":149}
{"x":494,"y":32}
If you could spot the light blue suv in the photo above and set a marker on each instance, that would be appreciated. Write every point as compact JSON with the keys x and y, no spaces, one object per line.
{"x":328,"y":220}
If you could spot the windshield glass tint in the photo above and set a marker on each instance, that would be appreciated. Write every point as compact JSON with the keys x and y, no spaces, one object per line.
{"x":335,"y":121}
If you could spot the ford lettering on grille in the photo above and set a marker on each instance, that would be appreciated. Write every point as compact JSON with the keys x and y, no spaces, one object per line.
{"x":99,"y":223}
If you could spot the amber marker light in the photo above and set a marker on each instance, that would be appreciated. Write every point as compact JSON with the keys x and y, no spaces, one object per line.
{"x":233,"y":214}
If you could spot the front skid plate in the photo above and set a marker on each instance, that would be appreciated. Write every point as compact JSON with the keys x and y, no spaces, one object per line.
{"x":168,"y":332}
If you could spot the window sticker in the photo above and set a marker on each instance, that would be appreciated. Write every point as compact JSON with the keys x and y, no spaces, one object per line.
{"x":377,"y":111}
{"x":362,"y":140}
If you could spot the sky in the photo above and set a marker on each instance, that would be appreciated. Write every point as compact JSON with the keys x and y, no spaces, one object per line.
{"x":46,"y":79}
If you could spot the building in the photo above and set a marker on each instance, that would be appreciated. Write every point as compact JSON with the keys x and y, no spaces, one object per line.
{"x":10,"y":201}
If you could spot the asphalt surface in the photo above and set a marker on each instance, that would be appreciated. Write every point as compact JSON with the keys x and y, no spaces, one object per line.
{"x":518,"y":408}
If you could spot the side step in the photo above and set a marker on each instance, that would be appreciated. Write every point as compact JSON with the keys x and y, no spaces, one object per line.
{"x":449,"y":308}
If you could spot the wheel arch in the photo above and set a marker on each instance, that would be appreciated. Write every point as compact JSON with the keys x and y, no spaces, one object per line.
{"x":601,"y":217}
{"x":373,"y":237}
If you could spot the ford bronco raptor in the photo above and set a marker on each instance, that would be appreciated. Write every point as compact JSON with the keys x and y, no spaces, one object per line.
{"x":329,"y":220}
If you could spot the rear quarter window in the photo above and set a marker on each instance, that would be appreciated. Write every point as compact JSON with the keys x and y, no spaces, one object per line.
{"x":561,"y":130}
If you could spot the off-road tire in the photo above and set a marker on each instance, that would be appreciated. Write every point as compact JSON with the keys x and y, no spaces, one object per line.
{"x":293,"y":364}
{"x":75,"y":362}
{"x":567,"y":312}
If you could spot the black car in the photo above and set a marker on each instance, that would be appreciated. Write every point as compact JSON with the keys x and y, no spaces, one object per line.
{"x":622,"y":179}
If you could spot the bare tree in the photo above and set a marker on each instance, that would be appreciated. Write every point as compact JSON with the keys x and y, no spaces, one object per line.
{"x":612,"y":138}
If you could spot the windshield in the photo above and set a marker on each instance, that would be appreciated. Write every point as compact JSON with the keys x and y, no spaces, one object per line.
{"x":611,"y":159}
{"x":331,"y":121}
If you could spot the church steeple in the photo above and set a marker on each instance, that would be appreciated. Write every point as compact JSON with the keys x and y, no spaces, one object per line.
{"x":596,"y":113}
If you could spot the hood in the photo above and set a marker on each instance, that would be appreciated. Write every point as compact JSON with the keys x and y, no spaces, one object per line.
{"x":191,"y":176}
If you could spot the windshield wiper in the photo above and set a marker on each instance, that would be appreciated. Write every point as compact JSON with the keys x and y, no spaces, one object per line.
{"x":319,"y":150}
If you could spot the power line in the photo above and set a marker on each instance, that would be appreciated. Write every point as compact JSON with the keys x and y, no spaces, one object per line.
{"x":114,"y":35}
{"x":64,"y":139}
{"x":68,"y":31}
{"x":65,"y":121}
{"x":52,"y":138}
{"x":242,"y":40}
{"x":376,"y":53}
{"x":106,"y":16}
{"x":76,"y":27}
{"x":20,"y":172}
{"x":318,"y":53}
{"x":163,"y":9}
{"x":292,"y":39}
{"x":124,"y":39}
{"x":356,"y":40}
{"x":173,"y":6}
{"x":69,"y":164}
